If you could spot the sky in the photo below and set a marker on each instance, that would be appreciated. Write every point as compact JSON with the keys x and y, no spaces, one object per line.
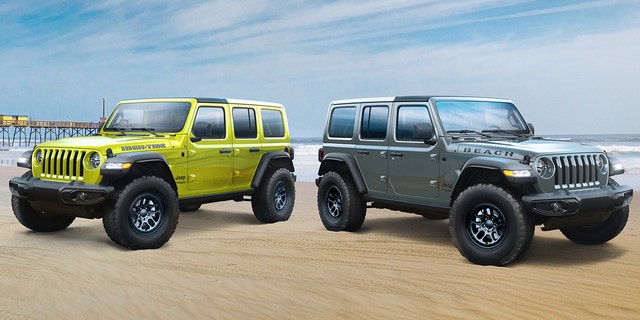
{"x":571,"y":67}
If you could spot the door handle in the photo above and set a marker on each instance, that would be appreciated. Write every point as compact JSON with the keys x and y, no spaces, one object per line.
{"x":254,"y":150}
{"x":396,"y":154}
{"x":223,"y":151}
{"x":363,"y":152}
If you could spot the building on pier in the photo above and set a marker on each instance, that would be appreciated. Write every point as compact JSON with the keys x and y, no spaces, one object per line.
{"x":19,"y":131}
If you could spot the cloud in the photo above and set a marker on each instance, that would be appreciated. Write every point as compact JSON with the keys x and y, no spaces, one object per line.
{"x":305,"y":54}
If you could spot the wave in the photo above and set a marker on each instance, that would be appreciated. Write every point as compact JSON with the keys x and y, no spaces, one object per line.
{"x":618,"y":149}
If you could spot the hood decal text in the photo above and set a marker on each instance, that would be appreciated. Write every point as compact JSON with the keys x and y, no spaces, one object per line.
{"x":489,"y":152}
{"x":139,"y":147}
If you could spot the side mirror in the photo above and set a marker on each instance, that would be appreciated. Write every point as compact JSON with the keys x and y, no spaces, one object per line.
{"x":424,"y":131}
{"x":200,"y":130}
{"x":531,"y":128}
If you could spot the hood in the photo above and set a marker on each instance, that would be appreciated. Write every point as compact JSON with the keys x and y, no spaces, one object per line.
{"x":118,"y":144}
{"x":516,"y":149}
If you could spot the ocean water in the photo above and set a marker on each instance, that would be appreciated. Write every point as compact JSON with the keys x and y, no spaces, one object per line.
{"x":625,"y":147}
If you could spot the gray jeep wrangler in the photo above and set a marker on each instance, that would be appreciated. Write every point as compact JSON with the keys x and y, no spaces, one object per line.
{"x":474,"y":161}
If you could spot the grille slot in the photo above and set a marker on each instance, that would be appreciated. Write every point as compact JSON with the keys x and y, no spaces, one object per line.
{"x":63,"y":164}
{"x":576,"y":171}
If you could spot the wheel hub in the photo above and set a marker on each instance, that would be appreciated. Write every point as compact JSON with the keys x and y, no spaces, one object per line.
{"x":486,"y":225}
{"x":334,"y":202}
{"x":280,"y":196}
{"x":146,"y":213}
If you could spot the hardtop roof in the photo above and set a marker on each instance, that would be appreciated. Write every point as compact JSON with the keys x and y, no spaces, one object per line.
{"x":416,"y":98}
{"x":210,"y":100}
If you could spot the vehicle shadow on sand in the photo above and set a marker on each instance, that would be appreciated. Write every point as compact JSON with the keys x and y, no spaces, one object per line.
{"x":563,"y":252}
{"x":410,"y":227}
{"x":544,"y":250}
{"x":205,"y":220}
{"x":85,"y":232}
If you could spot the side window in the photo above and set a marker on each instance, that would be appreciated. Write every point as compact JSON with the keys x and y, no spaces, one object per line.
{"x":209,"y":123}
{"x":342,"y":122}
{"x":244,"y":123}
{"x":374,"y":122}
{"x":272,"y":123}
{"x":412,"y":123}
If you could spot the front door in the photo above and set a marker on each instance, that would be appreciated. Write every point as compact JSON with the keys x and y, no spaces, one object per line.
{"x":210,"y":151}
{"x":413,"y":165}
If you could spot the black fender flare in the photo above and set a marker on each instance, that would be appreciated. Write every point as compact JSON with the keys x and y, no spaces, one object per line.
{"x":266,"y":159}
{"x":350,"y":162}
{"x":495,"y":164}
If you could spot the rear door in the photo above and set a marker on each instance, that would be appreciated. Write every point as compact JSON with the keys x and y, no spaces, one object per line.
{"x":371,"y":149}
{"x":247,"y":147}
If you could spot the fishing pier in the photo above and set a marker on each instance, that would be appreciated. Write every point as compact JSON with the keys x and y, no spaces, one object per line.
{"x":19,"y":131}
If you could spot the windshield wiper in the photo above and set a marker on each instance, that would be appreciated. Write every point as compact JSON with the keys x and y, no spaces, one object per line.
{"x":122,"y":130}
{"x":150,"y":130}
{"x":466,"y":131}
{"x":521,"y":135}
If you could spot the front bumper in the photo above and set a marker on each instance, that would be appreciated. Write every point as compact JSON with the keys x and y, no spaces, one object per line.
{"x":567,"y":203}
{"x":60,"y":193}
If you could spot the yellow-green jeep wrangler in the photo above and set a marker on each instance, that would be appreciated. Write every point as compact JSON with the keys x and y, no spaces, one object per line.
{"x":154,"y":157}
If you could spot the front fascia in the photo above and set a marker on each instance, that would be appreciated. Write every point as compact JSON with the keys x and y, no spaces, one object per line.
{"x":68,"y":159}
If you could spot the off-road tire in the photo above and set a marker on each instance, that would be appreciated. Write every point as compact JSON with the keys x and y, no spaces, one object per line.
{"x":340,"y":205}
{"x":488,"y":225}
{"x":273,"y":200}
{"x":36,"y":220}
{"x":144,"y":216}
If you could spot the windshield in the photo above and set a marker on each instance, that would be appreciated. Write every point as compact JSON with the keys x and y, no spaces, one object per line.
{"x":149,"y":116}
{"x":480,"y":116}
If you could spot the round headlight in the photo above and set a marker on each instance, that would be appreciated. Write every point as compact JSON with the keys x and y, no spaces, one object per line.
{"x":602,"y":163}
{"x":38,"y":156}
{"x":94,"y":160}
{"x":545,"y":168}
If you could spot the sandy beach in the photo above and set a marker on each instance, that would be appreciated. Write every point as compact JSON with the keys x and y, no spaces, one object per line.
{"x":221,"y":263}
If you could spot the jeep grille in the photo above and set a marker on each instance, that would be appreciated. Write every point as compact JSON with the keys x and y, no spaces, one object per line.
{"x":63,"y":164}
{"x":576,"y":171}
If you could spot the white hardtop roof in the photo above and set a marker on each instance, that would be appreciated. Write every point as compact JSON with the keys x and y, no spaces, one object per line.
{"x":424,"y":98}
{"x":208,"y":100}
{"x":255,"y":102}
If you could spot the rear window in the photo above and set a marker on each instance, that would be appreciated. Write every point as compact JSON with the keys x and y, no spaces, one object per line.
{"x":244,"y":123}
{"x":374,"y":122}
{"x":272,"y":123}
{"x":342,"y":122}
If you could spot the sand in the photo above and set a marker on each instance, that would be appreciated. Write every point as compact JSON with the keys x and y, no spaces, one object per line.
{"x":222,"y":264}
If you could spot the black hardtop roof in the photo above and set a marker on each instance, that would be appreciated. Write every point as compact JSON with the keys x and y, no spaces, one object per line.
{"x":413,"y":98}
{"x":211,"y":100}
